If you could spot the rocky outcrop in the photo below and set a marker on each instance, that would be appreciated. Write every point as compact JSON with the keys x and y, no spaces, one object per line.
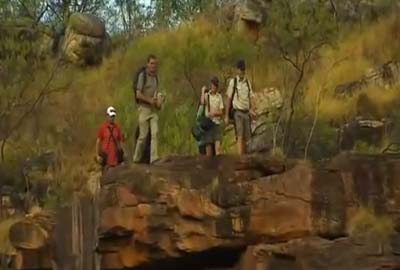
{"x":269,"y":105}
{"x":384,"y":76}
{"x":245,"y":213}
{"x":171,"y":211}
{"x":370,"y":125}
{"x":83,"y":41}
{"x":368,"y":131}
{"x":314,"y":253}
{"x":86,"y":41}
{"x":247,"y":16}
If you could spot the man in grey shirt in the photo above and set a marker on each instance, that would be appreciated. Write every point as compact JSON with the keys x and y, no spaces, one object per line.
{"x":148,"y":105}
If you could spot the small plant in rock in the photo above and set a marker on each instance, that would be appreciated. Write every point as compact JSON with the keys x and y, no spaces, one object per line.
{"x":366,"y":224}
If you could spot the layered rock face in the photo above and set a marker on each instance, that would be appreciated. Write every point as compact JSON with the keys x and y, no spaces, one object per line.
{"x":383,"y":76}
{"x":228,"y":213}
{"x":189,"y":207}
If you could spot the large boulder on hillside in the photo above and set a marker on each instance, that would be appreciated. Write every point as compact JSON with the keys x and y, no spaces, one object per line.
{"x":86,"y":41}
{"x":246,"y":16}
{"x":269,"y":104}
{"x":363,"y":130}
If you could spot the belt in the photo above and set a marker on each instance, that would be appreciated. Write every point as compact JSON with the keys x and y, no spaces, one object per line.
{"x":242,"y":111}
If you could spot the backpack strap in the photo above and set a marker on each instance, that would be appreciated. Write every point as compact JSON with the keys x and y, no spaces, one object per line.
{"x":157,"y":81}
{"x":248,"y":90}
{"x":144,"y":76}
{"x":234,"y":88}
{"x":111,"y":129}
{"x":109,"y":138}
{"x":208,"y":102}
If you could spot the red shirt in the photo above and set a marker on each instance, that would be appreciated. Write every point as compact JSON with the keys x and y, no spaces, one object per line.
{"x":107,"y":144}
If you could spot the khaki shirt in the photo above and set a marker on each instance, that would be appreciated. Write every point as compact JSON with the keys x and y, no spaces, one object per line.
{"x":243,"y":94}
{"x":216,"y":103}
{"x":149,"y":90}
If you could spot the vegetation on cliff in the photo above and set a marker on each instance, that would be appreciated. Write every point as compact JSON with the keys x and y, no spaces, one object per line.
{"x":48,"y":105}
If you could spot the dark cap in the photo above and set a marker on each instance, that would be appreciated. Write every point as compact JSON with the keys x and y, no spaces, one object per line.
{"x":214,"y":80}
{"x":241,"y":64}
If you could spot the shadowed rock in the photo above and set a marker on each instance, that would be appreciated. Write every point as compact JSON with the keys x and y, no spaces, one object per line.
{"x":287,"y":214}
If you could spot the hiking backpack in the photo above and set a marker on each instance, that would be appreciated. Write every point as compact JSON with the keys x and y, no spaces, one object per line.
{"x":136,"y":80}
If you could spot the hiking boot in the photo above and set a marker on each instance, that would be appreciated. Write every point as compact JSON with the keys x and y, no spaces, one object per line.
{"x":156,"y":161}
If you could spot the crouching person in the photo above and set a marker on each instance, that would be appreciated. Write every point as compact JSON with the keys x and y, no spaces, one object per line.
{"x":109,"y":152}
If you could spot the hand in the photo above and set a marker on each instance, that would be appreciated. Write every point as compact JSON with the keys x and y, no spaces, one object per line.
{"x":154,"y":102}
{"x":99,"y":159}
{"x":253,"y":114}
{"x":227,"y":120}
{"x":157,"y":103}
{"x":204,"y":89}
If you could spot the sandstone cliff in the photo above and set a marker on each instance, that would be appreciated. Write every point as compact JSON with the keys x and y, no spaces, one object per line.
{"x":242,"y":213}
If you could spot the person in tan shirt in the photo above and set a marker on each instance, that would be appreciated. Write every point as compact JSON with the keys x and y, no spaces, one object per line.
{"x":239,"y":106}
{"x":213,"y":104}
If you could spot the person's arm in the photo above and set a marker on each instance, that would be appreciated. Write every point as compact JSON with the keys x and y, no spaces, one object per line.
{"x":119,"y":139}
{"x":98,"y":156}
{"x":98,"y":147}
{"x":229,"y":96}
{"x":203,"y":95}
{"x":139,"y":91}
{"x":252,"y":102}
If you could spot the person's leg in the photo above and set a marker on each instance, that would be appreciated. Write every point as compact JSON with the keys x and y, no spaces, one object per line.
{"x":217,"y":148}
{"x":143,"y":130}
{"x":246,"y":131}
{"x":239,"y":133}
{"x":217,"y":140}
{"x":209,"y":150}
{"x":154,"y":138}
{"x":202,"y":149}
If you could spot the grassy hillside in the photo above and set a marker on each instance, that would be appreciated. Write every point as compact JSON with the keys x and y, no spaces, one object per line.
{"x":187,"y":58}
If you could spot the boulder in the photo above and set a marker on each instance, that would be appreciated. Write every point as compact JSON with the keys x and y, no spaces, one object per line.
{"x":87,"y":25}
{"x":269,"y":104}
{"x":247,"y":16}
{"x":86,"y":41}
{"x":369,"y":131}
{"x":32,"y":232}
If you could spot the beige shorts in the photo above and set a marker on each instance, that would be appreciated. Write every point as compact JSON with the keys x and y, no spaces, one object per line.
{"x":242,"y":124}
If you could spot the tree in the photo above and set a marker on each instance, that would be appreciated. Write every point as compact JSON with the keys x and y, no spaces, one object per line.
{"x":297,"y":31}
{"x":168,"y":13}
{"x":23,"y":88}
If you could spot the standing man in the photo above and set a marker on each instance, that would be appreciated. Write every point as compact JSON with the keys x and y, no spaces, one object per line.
{"x":109,"y":151}
{"x":240,"y":109}
{"x":149,"y":102}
